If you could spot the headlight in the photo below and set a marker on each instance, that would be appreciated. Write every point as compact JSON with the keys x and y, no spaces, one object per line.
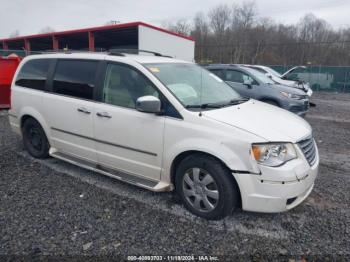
{"x":293,"y":96}
{"x":273,"y":154}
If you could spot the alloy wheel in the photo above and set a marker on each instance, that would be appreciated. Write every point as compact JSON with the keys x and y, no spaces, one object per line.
{"x":200,"y":189}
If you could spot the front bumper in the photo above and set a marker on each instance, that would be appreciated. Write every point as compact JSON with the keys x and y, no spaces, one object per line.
{"x":299,"y":107}
{"x":270,"y":196}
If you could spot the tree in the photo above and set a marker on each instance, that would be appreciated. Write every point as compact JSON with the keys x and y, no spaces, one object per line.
{"x":200,"y":33}
{"x":181,"y":26}
{"x":112,"y":22}
{"x":14,"y":33}
{"x":219,"y":21}
{"x":237,"y":35}
{"x":46,"y":29}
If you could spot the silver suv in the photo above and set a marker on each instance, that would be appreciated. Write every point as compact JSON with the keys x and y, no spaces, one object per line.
{"x":251,"y":83}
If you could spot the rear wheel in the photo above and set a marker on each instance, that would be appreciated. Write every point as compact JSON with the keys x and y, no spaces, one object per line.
{"x":205,"y":187}
{"x":34,"y":139}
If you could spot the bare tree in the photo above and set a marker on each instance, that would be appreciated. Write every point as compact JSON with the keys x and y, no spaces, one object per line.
{"x":200,"y":32}
{"x":244,"y":15}
{"x":181,"y":26}
{"x":14,"y":33}
{"x":238,"y":35}
{"x":112,"y":22}
{"x":46,"y":29}
{"x":242,"y":21}
{"x":219,"y":18}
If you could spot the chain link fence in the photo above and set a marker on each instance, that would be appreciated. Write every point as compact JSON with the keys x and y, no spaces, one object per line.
{"x":321,"y":78}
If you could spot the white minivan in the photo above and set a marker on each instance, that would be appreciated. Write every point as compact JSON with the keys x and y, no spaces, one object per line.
{"x":164,"y":124}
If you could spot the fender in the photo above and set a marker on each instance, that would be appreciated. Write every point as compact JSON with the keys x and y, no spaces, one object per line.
{"x":273,"y":99}
{"x":233,"y":159}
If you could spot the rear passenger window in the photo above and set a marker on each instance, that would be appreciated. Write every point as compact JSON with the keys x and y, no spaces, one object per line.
{"x":33,"y":74}
{"x":75,"y":78}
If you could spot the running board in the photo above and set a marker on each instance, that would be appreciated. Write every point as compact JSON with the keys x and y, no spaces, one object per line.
{"x":126,"y":177}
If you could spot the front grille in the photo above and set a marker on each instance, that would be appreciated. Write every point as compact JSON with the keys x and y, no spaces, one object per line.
{"x":309,"y":149}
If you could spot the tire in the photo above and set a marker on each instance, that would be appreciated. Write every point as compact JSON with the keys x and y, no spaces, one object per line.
{"x":214,"y":194}
{"x":34,"y":139}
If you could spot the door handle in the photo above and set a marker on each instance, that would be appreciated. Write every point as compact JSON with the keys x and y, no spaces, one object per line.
{"x":103,"y":114}
{"x":83,"y":110}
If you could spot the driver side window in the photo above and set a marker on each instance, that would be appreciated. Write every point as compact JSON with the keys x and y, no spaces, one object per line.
{"x":238,"y":77}
{"x":247,"y":79}
{"x":124,"y":85}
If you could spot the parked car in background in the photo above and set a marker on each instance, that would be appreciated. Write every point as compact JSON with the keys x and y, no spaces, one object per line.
{"x":161,"y":123}
{"x":254,"y":84}
{"x":283,"y":78}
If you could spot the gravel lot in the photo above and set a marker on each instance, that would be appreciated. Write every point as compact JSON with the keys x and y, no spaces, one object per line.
{"x":53,"y":209}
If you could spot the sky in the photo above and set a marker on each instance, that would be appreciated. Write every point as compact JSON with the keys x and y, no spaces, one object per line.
{"x":30,"y":17}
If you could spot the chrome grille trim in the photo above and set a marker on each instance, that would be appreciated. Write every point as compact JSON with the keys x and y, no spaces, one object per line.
{"x":308,"y":147}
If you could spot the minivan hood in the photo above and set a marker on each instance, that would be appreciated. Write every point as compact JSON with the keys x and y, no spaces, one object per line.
{"x":299,"y":85}
{"x":285,"y":82}
{"x":292,"y":69}
{"x":266,"y":121}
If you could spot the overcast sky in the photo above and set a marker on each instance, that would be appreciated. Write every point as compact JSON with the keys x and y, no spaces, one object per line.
{"x":30,"y":16}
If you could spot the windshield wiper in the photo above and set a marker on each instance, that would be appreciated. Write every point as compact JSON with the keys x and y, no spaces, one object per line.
{"x":216,"y":105}
{"x":235,"y":102}
{"x":203,"y":106}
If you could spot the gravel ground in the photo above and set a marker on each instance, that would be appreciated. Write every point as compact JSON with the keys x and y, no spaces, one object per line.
{"x":51,"y":209}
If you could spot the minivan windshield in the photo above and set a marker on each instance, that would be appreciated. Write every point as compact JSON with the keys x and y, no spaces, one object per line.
{"x":194,"y":86}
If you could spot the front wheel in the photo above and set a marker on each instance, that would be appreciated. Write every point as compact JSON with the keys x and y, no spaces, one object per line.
{"x":206,"y":187}
{"x":34,"y":139}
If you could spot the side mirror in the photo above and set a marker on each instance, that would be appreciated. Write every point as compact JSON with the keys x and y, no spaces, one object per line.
{"x":148,"y":104}
{"x":268,"y":75}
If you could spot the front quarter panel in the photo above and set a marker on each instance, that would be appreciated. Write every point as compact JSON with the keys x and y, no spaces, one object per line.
{"x":196,"y":133}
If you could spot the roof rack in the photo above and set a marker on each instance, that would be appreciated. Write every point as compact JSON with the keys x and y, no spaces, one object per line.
{"x":122,"y":52}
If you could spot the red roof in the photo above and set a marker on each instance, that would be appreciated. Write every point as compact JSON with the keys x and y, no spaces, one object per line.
{"x":94,"y":29}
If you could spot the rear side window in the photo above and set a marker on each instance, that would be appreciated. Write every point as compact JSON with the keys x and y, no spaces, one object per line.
{"x":75,"y":78}
{"x":33,"y":74}
{"x":260,"y":70}
{"x":218,"y":72}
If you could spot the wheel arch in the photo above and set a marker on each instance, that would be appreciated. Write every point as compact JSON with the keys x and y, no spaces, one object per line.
{"x":30,"y":113}
{"x":187,"y":153}
{"x":267,"y":99}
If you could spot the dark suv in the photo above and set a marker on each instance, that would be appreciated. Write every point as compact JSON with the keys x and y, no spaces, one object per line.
{"x":254,"y":84}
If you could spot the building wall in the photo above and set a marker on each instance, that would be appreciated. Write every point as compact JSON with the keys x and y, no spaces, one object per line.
{"x":166,"y":44}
